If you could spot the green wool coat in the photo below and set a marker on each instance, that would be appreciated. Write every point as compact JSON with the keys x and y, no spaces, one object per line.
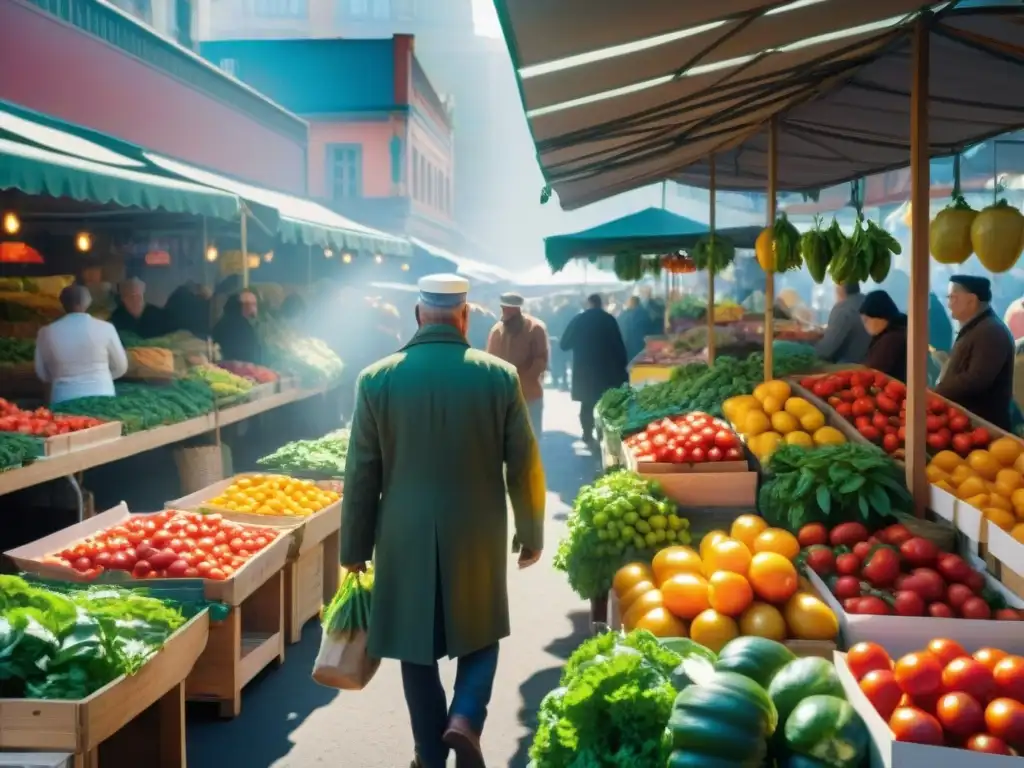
{"x":439,"y":429}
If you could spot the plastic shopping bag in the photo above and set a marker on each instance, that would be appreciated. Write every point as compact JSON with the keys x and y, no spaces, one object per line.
{"x":343,"y":661}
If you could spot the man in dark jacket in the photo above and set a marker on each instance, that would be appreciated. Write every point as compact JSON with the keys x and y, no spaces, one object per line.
{"x":635,"y":324}
{"x":598,"y":359}
{"x":134,"y":315}
{"x":979,"y":374}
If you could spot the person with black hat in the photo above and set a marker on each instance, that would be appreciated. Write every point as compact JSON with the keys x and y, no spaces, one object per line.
{"x":845,"y":340}
{"x":887,"y":327}
{"x":979,"y":374}
{"x":522,"y":340}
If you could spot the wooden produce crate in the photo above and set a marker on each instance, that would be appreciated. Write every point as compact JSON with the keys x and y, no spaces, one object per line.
{"x":712,"y":484}
{"x":134,"y":720}
{"x":83,"y":438}
{"x":310,"y":578}
{"x":832,"y":418}
{"x":261,"y":391}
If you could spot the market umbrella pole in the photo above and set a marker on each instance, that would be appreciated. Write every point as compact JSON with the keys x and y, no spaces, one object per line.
{"x":711,"y":262}
{"x":917,"y":316}
{"x":769,"y":278}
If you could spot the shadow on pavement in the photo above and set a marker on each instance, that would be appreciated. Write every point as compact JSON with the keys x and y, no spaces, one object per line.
{"x":567,"y":465}
{"x":538,"y":685}
{"x":273,"y":706}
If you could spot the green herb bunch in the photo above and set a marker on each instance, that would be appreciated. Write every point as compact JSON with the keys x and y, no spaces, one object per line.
{"x":349,"y":611}
{"x":323,"y":456}
{"x":140,"y":406}
{"x":17,"y":449}
{"x":832,"y":484}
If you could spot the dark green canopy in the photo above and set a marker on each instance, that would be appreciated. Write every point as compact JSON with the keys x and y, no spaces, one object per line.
{"x":650,"y":231}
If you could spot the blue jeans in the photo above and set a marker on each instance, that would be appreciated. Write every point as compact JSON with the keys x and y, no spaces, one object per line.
{"x":428,"y":705}
{"x":536,"y":411}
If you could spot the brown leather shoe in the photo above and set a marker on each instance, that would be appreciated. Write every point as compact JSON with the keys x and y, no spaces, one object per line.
{"x":465,"y":742}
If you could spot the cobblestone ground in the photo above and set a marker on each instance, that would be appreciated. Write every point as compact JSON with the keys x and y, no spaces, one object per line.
{"x":288,"y":721}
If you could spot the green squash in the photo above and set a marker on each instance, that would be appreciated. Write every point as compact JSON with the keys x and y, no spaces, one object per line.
{"x":755,"y":657}
{"x":693,"y":670}
{"x":810,"y":676}
{"x":726,"y":717}
{"x":800,"y":761}
{"x":827,"y":728}
{"x":682,"y":759}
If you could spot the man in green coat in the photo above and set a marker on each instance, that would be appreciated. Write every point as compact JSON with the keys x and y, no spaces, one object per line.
{"x":440,"y":432}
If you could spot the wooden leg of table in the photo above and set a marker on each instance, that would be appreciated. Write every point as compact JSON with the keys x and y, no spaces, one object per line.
{"x":171,"y":715}
{"x":332,"y":569}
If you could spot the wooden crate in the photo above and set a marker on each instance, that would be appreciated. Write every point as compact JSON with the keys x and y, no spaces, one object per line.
{"x":58,"y":445}
{"x":250,"y":639}
{"x":115,"y":724}
{"x":714,"y":484}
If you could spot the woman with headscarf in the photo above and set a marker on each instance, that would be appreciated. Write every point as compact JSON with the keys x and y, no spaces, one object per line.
{"x":887,"y":326}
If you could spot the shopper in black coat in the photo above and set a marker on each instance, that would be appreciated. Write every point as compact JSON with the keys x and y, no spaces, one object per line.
{"x":598,"y":359}
{"x":887,"y":326}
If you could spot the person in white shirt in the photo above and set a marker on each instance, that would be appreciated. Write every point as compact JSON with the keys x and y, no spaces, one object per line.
{"x":78,"y":355}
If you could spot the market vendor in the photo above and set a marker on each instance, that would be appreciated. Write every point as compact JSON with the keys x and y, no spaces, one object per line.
{"x":845,"y":340}
{"x":133,"y":315}
{"x":79,"y":355}
{"x":979,"y":374}
{"x":235,"y":332}
{"x":887,"y":327}
{"x":522,"y":340}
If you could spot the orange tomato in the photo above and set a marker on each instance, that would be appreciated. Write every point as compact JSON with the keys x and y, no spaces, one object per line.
{"x":713,"y":629}
{"x":644,"y":604}
{"x":628,"y":576}
{"x":778,"y":541}
{"x":746,"y":528}
{"x":640,"y":588}
{"x":727,"y":555}
{"x":661,"y":623}
{"x":685,"y":594}
{"x":729,"y":593}
{"x":773,"y":577}
{"x":710,"y":538}
{"x":672,"y":560}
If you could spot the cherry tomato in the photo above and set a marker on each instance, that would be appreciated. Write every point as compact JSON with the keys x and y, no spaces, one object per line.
{"x":946,"y":650}
{"x":206,"y":543}
{"x":1008,"y":674}
{"x":984,"y":742}
{"x":203,"y":567}
{"x":919,"y":674}
{"x":82,"y":564}
{"x":914,"y":726}
{"x":960,"y":714}
{"x":142,"y":569}
{"x":216,"y":574}
{"x":882,"y":690}
{"x":177,"y":569}
{"x":102,"y":558}
{"x":191,"y":573}
{"x":971,"y":677}
{"x":866,"y":657}
{"x":989,"y":657}
{"x":1004,"y":718}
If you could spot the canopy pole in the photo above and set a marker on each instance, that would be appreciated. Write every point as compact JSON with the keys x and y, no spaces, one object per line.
{"x":917,"y":352}
{"x":666,"y":326}
{"x":769,"y":278}
{"x":711,"y":263}
{"x":245,"y":248}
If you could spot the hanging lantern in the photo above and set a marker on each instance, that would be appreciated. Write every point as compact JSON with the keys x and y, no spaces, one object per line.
{"x":11,"y":223}
{"x":83,"y":242}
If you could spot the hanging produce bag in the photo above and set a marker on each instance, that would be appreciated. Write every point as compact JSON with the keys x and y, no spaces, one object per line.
{"x":343,"y":662}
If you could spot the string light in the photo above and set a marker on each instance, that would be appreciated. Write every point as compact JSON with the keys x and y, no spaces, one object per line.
{"x":405,"y":267}
{"x":12,"y":224}
{"x":211,"y":253}
{"x":253,"y":261}
{"x":379,"y":259}
{"x":268,"y":256}
{"x":347,"y":258}
{"x":328,"y":253}
{"x":83,"y":242}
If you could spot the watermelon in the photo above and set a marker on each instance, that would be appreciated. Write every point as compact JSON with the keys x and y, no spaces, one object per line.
{"x":811,"y":676}
{"x":828,"y":729}
{"x":755,"y":657}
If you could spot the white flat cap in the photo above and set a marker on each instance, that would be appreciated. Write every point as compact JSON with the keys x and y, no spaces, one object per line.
{"x":443,"y":290}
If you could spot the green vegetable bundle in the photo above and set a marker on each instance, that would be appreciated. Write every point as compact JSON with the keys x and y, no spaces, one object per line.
{"x":324,"y":456}
{"x":832,"y":484}
{"x":17,"y":350}
{"x":350,"y":609}
{"x":17,"y":449}
{"x":620,"y":518}
{"x":140,"y":406}
{"x":308,"y":358}
{"x":67,"y":642}
{"x":714,"y":253}
{"x":612,"y":708}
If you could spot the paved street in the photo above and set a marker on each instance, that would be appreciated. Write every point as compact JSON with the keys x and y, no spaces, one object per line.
{"x":288,"y":721}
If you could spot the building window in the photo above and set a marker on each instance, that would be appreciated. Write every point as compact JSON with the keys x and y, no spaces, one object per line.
{"x":433,"y":187}
{"x":404,"y":10}
{"x":423,"y":179}
{"x":382,"y":9}
{"x":355,"y":9}
{"x":415,"y":174}
{"x":345,"y":170}
{"x":447,"y":195}
{"x":230,"y":66}
{"x":280,"y":9}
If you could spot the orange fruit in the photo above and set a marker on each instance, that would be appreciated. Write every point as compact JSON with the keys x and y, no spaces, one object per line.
{"x":778,"y":541}
{"x":980,"y":501}
{"x":628,"y":576}
{"x":643,"y":605}
{"x":972,"y":486}
{"x":640,"y":588}
{"x":672,"y":560}
{"x":1001,"y":518}
{"x":729,"y":593}
{"x":1018,"y":532}
{"x":999,"y":501}
{"x":713,"y":630}
{"x":946,"y":461}
{"x":934,"y":474}
{"x":1007,"y":481}
{"x":983,"y":463}
{"x":763,"y":620}
{"x":727,"y":555}
{"x":746,"y":528}
{"x":1019,"y":464}
{"x":685,"y":594}
{"x":660,"y":623}
{"x":961,"y":473}
{"x":1006,"y":450}
{"x":1017,"y":500}
{"x":773,"y":577}
{"x":710,"y":538}
{"x":946,"y":487}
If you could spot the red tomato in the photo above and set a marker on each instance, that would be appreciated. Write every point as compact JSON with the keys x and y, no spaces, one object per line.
{"x":914,"y":726}
{"x":975,"y":608}
{"x":940,"y":611}
{"x":990,"y":657}
{"x":1008,"y":674}
{"x":919,"y":674}
{"x":882,"y":690}
{"x":1004,"y":719}
{"x":203,"y":567}
{"x":216,"y":574}
{"x":867,"y":657}
{"x":82,"y":564}
{"x":984,"y":742}
{"x":142,"y":569}
{"x":960,"y":714}
{"x":177,"y":569}
{"x":120,"y":562}
{"x":970,"y":676}
{"x":946,"y":651}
